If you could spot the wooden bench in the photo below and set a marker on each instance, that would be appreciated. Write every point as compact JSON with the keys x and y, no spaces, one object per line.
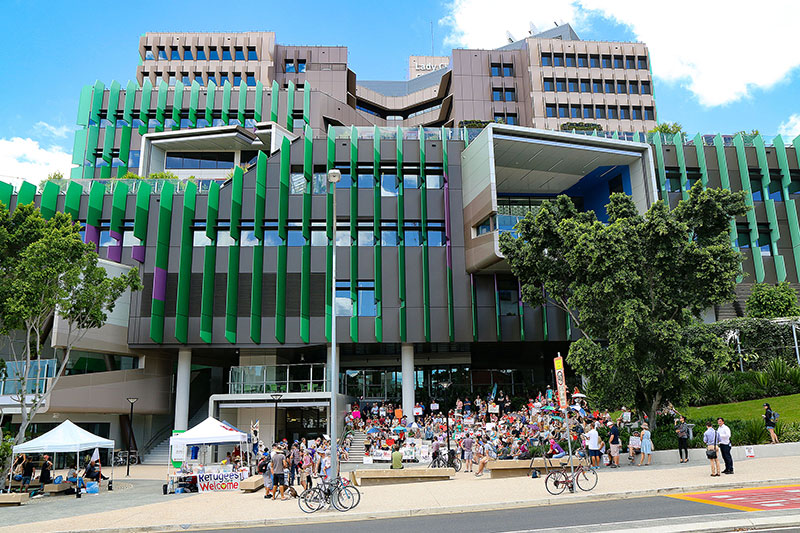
{"x":405,"y":475}
{"x":53,"y":488}
{"x":252,"y":484}
{"x":13,"y":498}
{"x":521,"y":467}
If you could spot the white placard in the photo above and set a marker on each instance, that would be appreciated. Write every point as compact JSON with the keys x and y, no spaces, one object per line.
{"x":434,"y":407}
{"x":749,"y":451}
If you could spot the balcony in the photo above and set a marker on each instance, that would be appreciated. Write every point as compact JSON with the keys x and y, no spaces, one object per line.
{"x":278,"y":378}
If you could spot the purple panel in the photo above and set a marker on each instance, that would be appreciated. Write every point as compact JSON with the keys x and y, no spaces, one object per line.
{"x":93,"y":235}
{"x":138,"y":253}
{"x":160,"y":284}
{"x":115,"y":250}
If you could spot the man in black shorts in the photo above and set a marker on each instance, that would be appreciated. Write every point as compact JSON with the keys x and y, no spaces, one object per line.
{"x":277,"y":467}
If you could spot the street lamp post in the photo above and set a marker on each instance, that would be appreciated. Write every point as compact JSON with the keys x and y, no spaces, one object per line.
{"x":275,"y":397}
{"x":130,"y":436}
{"x":446,"y":385}
{"x":334,"y":175}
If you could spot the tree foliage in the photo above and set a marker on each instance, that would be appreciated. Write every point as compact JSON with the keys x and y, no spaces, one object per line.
{"x":772,"y":301}
{"x":46,"y":270}
{"x":635,"y":287}
{"x":667,"y":127}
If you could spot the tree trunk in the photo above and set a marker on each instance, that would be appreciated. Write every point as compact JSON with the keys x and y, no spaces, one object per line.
{"x":653,"y":410}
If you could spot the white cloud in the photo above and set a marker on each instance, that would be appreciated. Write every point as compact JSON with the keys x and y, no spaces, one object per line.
{"x":25,"y":160}
{"x":720,"y":52}
{"x":49,"y":129}
{"x":790,"y":128}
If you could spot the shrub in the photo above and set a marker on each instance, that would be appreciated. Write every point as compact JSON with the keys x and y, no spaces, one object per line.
{"x":777,"y":370}
{"x":788,"y":432}
{"x":793,"y":377}
{"x":714,"y":388}
{"x":746,"y":391}
{"x":751,"y":432}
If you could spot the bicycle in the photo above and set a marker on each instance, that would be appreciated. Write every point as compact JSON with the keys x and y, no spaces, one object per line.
{"x":453,"y":461}
{"x":559,"y":480}
{"x":339,"y":494}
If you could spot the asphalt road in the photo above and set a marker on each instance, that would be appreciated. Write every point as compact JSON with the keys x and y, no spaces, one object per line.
{"x":592,"y":514}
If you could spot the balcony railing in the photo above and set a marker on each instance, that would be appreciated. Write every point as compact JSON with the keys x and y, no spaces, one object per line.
{"x":265,"y":379}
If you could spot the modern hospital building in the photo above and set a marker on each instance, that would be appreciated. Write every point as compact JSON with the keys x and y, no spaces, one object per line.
{"x":236,"y":255}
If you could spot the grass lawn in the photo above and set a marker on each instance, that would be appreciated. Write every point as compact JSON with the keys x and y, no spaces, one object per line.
{"x":787,"y":406}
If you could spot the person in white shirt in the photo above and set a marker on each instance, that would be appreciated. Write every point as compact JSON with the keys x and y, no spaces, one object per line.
{"x":593,"y":438}
{"x":724,"y":433}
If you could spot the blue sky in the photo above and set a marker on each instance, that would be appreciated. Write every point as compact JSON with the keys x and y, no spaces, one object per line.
{"x":708,"y":76}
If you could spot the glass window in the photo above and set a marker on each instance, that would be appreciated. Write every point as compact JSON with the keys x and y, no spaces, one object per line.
{"x":497,"y":95}
{"x":633,"y":87}
{"x":172,"y":79}
{"x":223,"y":77}
{"x":624,"y":112}
{"x":185,"y":79}
{"x":500,"y":117}
{"x":201,"y":54}
{"x":175,"y":55}
{"x":511,"y":118}
{"x":570,"y":60}
{"x":764,"y":239}
{"x":198,"y":78}
{"x":239,"y":53}
{"x":495,"y":69}
{"x":549,"y":85}
{"x":606,"y":61}
{"x":636,"y":113}
{"x":649,"y":113}
{"x":618,"y":62}
{"x":212,"y":79}
{"x":612,"y":112}
{"x":583,"y":60}
{"x":301,"y":65}
{"x":226,"y":53}
{"x":621,"y":87}
{"x":388,"y":184}
{"x":547,"y":60}
{"x":550,"y":110}
{"x":599,"y":111}
{"x":563,"y":111}
{"x":162,"y":52}
{"x":288,"y":66}
{"x":508,"y":69}
{"x":587,"y":112}
{"x":594,"y":61}
{"x":148,"y":53}
{"x":320,"y":183}
{"x":776,"y":189}
{"x":572,"y":85}
{"x":509,"y":302}
{"x":345,"y":182}
{"x":511,"y":95}
{"x":366,"y":299}
{"x":755,"y":188}
{"x":575,"y":111}
{"x":319,"y":236}
{"x":413,"y":235}
{"x":251,"y":53}
{"x":213,"y":54}
{"x":294,"y":237}
{"x":630,"y":62}
{"x":558,"y":60}
{"x":742,"y":236}
{"x":645,"y":87}
{"x":597,"y":86}
{"x":297,"y":183}
{"x":642,"y":62}
{"x":436,"y":234}
{"x":366,"y":237}
{"x":561,"y":84}
{"x":609,"y":86}
{"x":344,"y":305}
{"x":187,"y":53}
{"x":484,"y":227}
{"x":237,"y":79}
{"x":366,"y":181}
{"x":410,"y":181}
{"x":586,"y":86}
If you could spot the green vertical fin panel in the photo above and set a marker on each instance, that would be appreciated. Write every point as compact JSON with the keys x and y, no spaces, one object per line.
{"x":7,"y":191}
{"x":142,"y":211}
{"x":113,"y":101}
{"x":521,"y":308}
{"x":94,"y":211}
{"x":305,"y":269}
{"x":162,"y":263}
{"x":769,"y":204}
{"x":307,"y":103}
{"x":290,"y":107}
{"x":27,"y":193}
{"x":498,"y":327}
{"x":724,"y":178}
{"x":72,"y":200}
{"x":273,"y":109}
{"x":451,"y":322}
{"x":242,"y":102}
{"x":185,"y":264}
{"x":283,"y":215}
{"x":426,"y":275}
{"x":401,"y":238}
{"x":259,"y":100}
{"x":119,"y":202}
{"x":744,"y":178}
{"x":211,"y":93}
{"x":144,"y":105}
{"x":93,"y":133}
{"x":226,"y":102}
{"x":108,"y":145}
{"x":234,"y":253}
{"x":701,"y":159}
{"x":97,"y":101}
{"x":49,"y":204}
{"x":261,"y":195}
{"x":85,"y":105}
{"x":194,"y":101}
{"x":473,"y":293}
{"x":125,"y":151}
{"x":661,"y":171}
{"x":130,"y":102}
{"x":177,"y":105}
{"x":376,"y":233}
{"x":678,"y":141}
{"x":161,"y":105}
{"x":209,"y":265}
{"x":353,"y":232}
{"x":258,"y":251}
{"x":330,"y":232}
{"x":789,"y":203}
{"x":79,"y":148}
{"x":545,"y":332}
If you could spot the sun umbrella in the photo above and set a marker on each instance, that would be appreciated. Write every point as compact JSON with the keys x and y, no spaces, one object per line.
{"x":579,"y":395}
{"x":399,"y":429}
{"x":548,"y":408}
{"x":373,"y":430}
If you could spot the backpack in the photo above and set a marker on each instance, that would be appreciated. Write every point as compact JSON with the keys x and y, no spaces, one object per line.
{"x":263,"y":466}
{"x":775,"y":416}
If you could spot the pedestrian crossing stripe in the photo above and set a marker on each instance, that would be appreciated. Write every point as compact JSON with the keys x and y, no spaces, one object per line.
{"x":724,"y":498}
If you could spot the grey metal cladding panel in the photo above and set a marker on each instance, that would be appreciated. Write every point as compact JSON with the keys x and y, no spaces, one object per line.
{"x":463,"y":319}
{"x":146,"y":295}
{"x":342,"y":204}
{"x":414,"y":326}
{"x":195,"y":294}
{"x":485,"y":292}
{"x":319,"y":207}
{"x":410,"y":151}
{"x":319,"y":259}
{"x":366,"y":257}
{"x":433,"y":152}
{"x":246,"y":260}
{"x":318,"y":290}
{"x":198,"y":256}
{"x":106,"y":213}
{"x":174,"y":258}
{"x":274,"y":172}
{"x":317,"y":327}
{"x":439,"y":327}
{"x":342,"y":263}
{"x":292,"y":330}
{"x":294,"y":259}
{"x":225,"y":201}
{"x":391,"y":324}
{"x":271,"y":259}
{"x":366,"y":329}
{"x":150,"y":257}
{"x":342,"y":151}
{"x":365,"y":148}
{"x":388,"y":151}
{"x":320,"y":151}
{"x":462,"y":295}
{"x":556,"y":324}
{"x":218,"y":328}
{"x":413,"y":209}
{"x":510,"y":328}
{"x":389,"y":208}
{"x":273,"y":203}
{"x":220,"y":293}
{"x":365,"y":202}
{"x":222,"y":260}
{"x":194,"y":328}
{"x":437,"y":266}
{"x":487,"y":321}
{"x":413,"y":277}
{"x":342,"y":328}
{"x":391,"y":299}
{"x":248,"y":204}
{"x":436,"y":204}
{"x":169,"y":331}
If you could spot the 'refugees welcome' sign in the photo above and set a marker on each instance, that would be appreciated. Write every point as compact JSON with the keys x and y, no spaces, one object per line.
{"x":219,"y":482}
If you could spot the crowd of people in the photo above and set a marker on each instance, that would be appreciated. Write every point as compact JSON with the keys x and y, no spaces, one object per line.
{"x":286,"y":465}
{"x":23,"y":471}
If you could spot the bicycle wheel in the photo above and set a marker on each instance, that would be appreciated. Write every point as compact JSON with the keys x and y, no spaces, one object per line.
{"x":457,"y":464}
{"x":311,"y":500}
{"x":342,"y":499}
{"x":586,"y":479}
{"x":555,"y":482}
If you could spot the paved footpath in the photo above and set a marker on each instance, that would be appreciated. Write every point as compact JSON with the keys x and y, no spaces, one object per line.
{"x":142,"y":509}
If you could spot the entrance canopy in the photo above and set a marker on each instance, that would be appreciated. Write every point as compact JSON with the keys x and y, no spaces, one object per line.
{"x":209,"y":431}
{"x":66,"y":437}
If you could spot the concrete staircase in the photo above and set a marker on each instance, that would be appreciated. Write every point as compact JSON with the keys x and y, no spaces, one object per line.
{"x":357,"y":449}
{"x":159,"y":454}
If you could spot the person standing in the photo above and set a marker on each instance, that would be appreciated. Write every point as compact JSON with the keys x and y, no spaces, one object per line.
{"x":466,"y":446}
{"x":647,"y":445}
{"x":770,"y":419}
{"x":45,"y":476}
{"x":725,"y":445}
{"x":277,"y":467}
{"x":593,"y":438}
{"x":614,"y":444}
{"x":711,"y":438}
{"x":682,"y":430}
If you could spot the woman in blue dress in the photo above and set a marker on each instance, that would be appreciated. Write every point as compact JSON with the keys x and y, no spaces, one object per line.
{"x":647,"y":445}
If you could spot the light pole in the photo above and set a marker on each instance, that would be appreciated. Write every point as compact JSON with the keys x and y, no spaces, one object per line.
{"x":130,"y":436}
{"x":275,"y":397}
{"x":334,"y":175}
{"x":446,"y":385}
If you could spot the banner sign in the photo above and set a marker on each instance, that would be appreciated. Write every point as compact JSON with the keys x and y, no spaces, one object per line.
{"x":418,"y":411}
{"x":561,"y":382}
{"x":434,"y":407}
{"x":219,"y":482}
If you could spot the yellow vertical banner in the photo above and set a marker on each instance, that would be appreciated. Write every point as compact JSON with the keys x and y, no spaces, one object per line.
{"x":561,"y":382}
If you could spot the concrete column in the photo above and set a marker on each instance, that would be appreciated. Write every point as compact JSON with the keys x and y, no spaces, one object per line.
{"x":407,"y":371}
{"x":182,"y":380}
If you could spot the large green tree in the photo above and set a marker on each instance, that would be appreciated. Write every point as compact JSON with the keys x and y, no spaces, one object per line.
{"x":47,"y":271}
{"x":772,"y":301}
{"x":634,"y":286}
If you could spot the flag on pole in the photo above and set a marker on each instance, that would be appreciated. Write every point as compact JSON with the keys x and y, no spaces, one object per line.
{"x":96,"y":455}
